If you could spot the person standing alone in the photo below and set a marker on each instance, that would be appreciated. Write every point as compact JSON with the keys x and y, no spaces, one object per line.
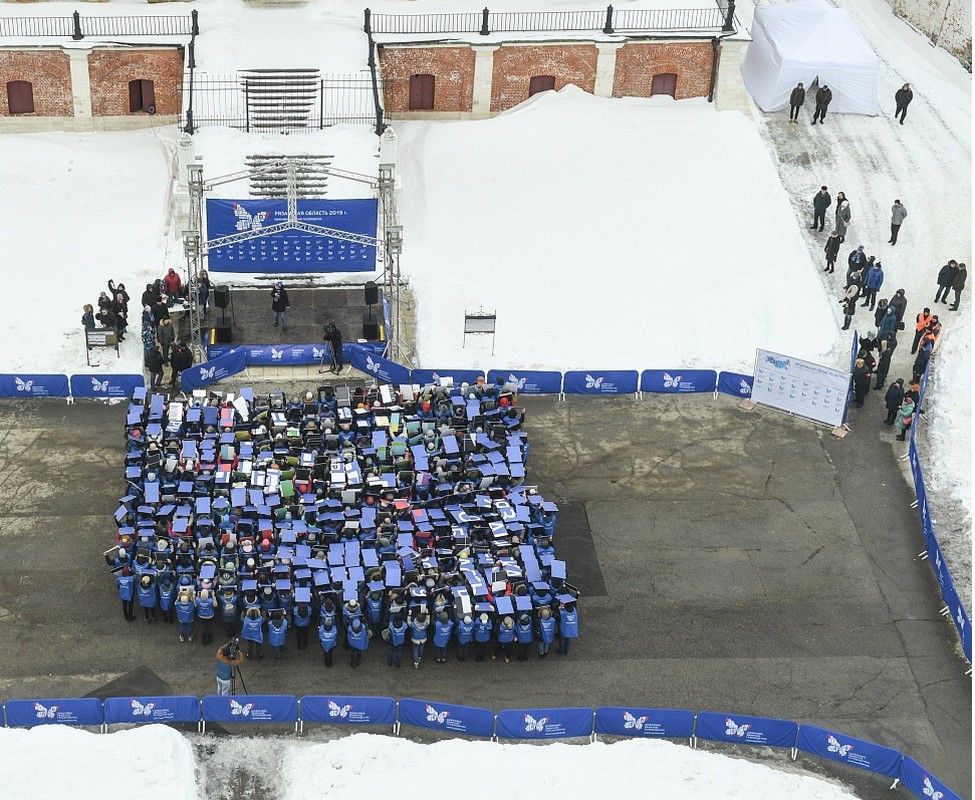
{"x":821,"y":201}
{"x":897,"y":216}
{"x":279,"y":304}
{"x":796,"y":99}
{"x":824,"y":96}
{"x":902,"y":99}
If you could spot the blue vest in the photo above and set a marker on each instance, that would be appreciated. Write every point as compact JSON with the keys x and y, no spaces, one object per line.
{"x":374,"y":609}
{"x":328,"y":638}
{"x":524,"y":632}
{"x":397,"y":635}
{"x":441,"y":633}
{"x":482,"y":630}
{"x":569,"y":624}
{"x":126,"y":586}
{"x":185,"y":611}
{"x":228,"y":608}
{"x":418,"y":632}
{"x":204,"y":608}
{"x":505,"y":634}
{"x":253,"y":630}
{"x":358,"y":639}
{"x":276,"y":632}
{"x":302,"y":620}
{"x":147,"y":596}
{"x":465,"y":630}
{"x":167,"y":594}
{"x":546,"y":629}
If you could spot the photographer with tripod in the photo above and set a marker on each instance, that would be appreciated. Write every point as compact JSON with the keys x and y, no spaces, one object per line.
{"x":333,"y":336}
{"x":229,"y":658}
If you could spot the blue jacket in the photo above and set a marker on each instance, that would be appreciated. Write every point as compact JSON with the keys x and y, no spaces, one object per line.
{"x":328,"y":638}
{"x":875,"y":277}
{"x":374,"y":609}
{"x":253,"y":630}
{"x":204,"y":608}
{"x":418,"y":631}
{"x":147,"y":595}
{"x":546,"y":630}
{"x":482,"y":630}
{"x":167,"y":595}
{"x":505,"y":634}
{"x":397,"y":634}
{"x":276,"y":630}
{"x":888,"y":324}
{"x":126,"y":586}
{"x":568,"y":624}
{"x":465,"y":631}
{"x":185,"y":611}
{"x":358,"y":639}
{"x":228,"y":608}
{"x":302,"y":620}
{"x":441,"y":633}
{"x":523,"y":632}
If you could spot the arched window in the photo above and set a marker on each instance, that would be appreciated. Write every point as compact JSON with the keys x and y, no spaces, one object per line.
{"x":664,"y":83}
{"x":421,"y":92}
{"x":142,"y":96}
{"x":540,"y":83}
{"x":20,"y":97}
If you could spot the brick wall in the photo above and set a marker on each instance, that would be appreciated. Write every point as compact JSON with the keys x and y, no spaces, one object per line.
{"x":111,"y":70}
{"x":515,"y":65}
{"x":50,"y":75}
{"x":452,"y":67}
{"x":637,"y":63}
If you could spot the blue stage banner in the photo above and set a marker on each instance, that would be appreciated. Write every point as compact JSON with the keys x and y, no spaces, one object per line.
{"x":33,"y":385}
{"x":735,"y":383}
{"x":62,"y":711}
{"x":445,"y":717}
{"x":289,"y":354}
{"x":678,"y":381}
{"x":746,"y":730}
{"x":289,"y":251}
{"x":847,"y":750}
{"x":341,"y":710}
{"x":458,"y":376}
{"x":922,"y":783}
{"x":544,"y":723}
{"x":216,"y":369}
{"x":250,"y":708}
{"x":140,"y":710}
{"x":601,"y":382}
{"x":668,"y":723}
{"x":101,"y":387}
{"x":382,"y":369}
{"x":528,"y":381}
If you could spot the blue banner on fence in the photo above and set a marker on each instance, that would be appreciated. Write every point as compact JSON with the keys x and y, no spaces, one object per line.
{"x":216,"y":369}
{"x":528,"y":381}
{"x":140,"y":710}
{"x":601,"y":382}
{"x":746,"y":730}
{"x":105,"y":386}
{"x":924,"y":785}
{"x":661,"y":722}
{"x":382,"y":369}
{"x":683,"y":381}
{"x":33,"y":385}
{"x":544,"y":723}
{"x":341,"y":710}
{"x":457,"y":376}
{"x":735,"y":383}
{"x":250,"y":708}
{"x":292,"y":250}
{"x":847,"y":750}
{"x":62,"y":711}
{"x":445,"y":717}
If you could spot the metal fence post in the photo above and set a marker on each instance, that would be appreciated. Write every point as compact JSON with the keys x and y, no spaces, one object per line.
{"x":608,"y":28}
{"x":195,"y":16}
{"x":76,"y":17}
{"x":367,"y":24}
{"x":729,"y":19}
{"x":485,"y":30}
{"x":192,"y":58}
{"x":321,"y":103}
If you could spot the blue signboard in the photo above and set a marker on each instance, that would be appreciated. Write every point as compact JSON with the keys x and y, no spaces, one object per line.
{"x":445,"y":717}
{"x":528,"y":381}
{"x":341,"y":710}
{"x":33,"y":385}
{"x":139,"y":710}
{"x":102,"y":387}
{"x":382,"y":369}
{"x":292,"y":250}
{"x":291,"y":355}
{"x":666,"y":723}
{"x":458,"y":376}
{"x":250,"y":708}
{"x":735,"y":383}
{"x":216,"y":369}
{"x":742,"y":729}
{"x":601,"y":382}
{"x":922,"y":783}
{"x":544,"y":723}
{"x":61,"y":711}
{"x":847,"y":750}
{"x":678,"y":381}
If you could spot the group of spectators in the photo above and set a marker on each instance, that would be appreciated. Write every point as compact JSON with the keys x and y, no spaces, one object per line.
{"x":159,"y":339}
{"x":113,"y":310}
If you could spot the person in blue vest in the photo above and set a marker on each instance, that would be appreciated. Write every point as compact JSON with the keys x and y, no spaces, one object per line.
{"x":524,"y":635}
{"x":185,"y":613}
{"x":277,"y":629}
{"x":568,"y":626}
{"x":205,"y":612}
{"x":148,"y":598}
{"x":483,"y":626}
{"x":328,"y":636}
{"x":358,"y":638}
{"x":125,"y":584}
{"x":167,"y":596}
{"x":505,"y":636}
{"x":418,"y":623}
{"x":465,"y":632}
{"x":268,"y":599}
{"x":252,"y":632}
{"x":350,"y":611}
{"x":546,"y":631}
{"x":228,"y":658}
{"x":374,"y":610}
{"x":396,"y":636}
{"x":301,"y":616}
{"x":442,"y":630}
{"x":228,"y":608}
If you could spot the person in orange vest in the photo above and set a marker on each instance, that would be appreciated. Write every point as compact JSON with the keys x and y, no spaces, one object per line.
{"x":923,"y":320}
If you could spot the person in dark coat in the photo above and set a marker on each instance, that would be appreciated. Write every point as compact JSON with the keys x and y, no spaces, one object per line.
{"x":887,"y":347}
{"x":861,"y":381}
{"x":921,"y":362}
{"x":893,"y":400}
{"x":843,"y":215}
{"x":796,"y":99}
{"x":154,"y":364}
{"x":902,"y":99}
{"x":921,"y":322}
{"x":334,"y":338}
{"x":899,"y":303}
{"x":120,"y":296}
{"x":946,"y":276}
{"x":824,"y":97}
{"x":881,"y":311}
{"x":958,"y":285}
{"x":88,"y":318}
{"x":821,"y":201}
{"x":832,"y":250}
{"x":872,"y":283}
{"x":888,"y":325}
{"x":279,"y":304}
{"x":166,"y":334}
{"x":855,"y":262}
{"x":203,"y":289}
{"x":107,"y":319}
{"x":150,"y":296}
{"x":182,"y":358}
{"x":897,"y":216}
{"x":849,"y":304}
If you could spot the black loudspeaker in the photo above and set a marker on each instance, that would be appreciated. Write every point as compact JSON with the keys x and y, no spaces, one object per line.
{"x":370,"y":330}
{"x":221,"y":296}
{"x":371,"y":294}
{"x":223,"y":333}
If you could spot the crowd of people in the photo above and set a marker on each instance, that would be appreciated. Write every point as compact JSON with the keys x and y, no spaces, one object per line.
{"x":397,"y":515}
{"x":113,"y":311}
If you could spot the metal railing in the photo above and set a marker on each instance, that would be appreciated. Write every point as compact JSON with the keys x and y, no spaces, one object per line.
{"x":78,"y":27}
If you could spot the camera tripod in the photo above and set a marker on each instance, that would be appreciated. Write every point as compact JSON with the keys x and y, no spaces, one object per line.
{"x":233,"y":681}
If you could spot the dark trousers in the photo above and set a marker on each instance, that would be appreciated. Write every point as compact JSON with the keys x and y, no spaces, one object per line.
{"x":870,"y":297}
{"x":301,"y":637}
{"x":462,"y":651}
{"x":830,"y":266}
{"x":891,"y":416}
{"x":819,"y":219}
{"x":150,"y":613}
{"x":819,"y":116}
{"x":480,"y":650}
{"x":127,"y":610}
{"x":902,"y":111}
{"x":356,"y":657}
{"x":893,"y":233}
{"x":328,"y":658}
{"x":794,"y":112}
{"x":957,"y":302}
{"x":942,"y":294}
{"x":917,"y":340}
{"x":394,"y":655}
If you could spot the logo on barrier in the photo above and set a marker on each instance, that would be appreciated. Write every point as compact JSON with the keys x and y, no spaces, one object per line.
{"x":930,"y":791}
{"x":633,"y":723}
{"x":960,"y":617}
{"x":518,"y":382}
{"x":834,"y":746}
{"x":734,"y":729}
{"x":436,"y":716}
{"x":207,"y":374}
{"x":671,"y":382}
{"x":532,"y":724}
{"x":373,"y":366}
{"x":335,"y":710}
{"x":593,"y":383}
{"x":139,"y":710}
{"x":249,"y":222}
{"x":276,"y":354}
{"x":45,"y":712}
{"x":99,"y":386}
{"x":23,"y":386}
{"x":317,"y":352}
{"x":743,"y":387}
{"x":239,"y":710}
{"x":778,"y":363}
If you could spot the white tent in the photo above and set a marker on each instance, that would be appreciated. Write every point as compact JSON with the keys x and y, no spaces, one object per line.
{"x":803,"y":41}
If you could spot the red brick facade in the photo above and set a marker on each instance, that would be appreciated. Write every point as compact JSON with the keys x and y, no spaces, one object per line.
{"x":638,"y":62}
{"x":516,"y":65}
{"x":111,"y":70}
{"x":452,"y":68}
{"x":49,"y":74}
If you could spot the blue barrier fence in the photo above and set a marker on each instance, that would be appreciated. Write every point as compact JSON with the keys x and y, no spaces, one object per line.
{"x":519,"y":724}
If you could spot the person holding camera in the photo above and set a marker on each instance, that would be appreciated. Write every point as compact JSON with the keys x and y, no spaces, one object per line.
{"x":228,"y":657}
{"x":333,"y":336}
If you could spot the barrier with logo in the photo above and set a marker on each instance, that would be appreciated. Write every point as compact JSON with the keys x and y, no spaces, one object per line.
{"x":922,"y":783}
{"x":250,"y":708}
{"x":142,"y":710}
{"x":216,"y":369}
{"x":737,"y":384}
{"x":33,"y":385}
{"x":528,"y":381}
{"x":741,"y":729}
{"x":457,"y":376}
{"x":382,"y":369}
{"x":664,"y":723}
{"x":59,"y":711}
{"x":345,"y":710}
{"x":678,"y":381}
{"x":857,"y":753}
{"x":606,"y":382}
{"x":544,"y":723}
{"x":444,"y":716}
{"x":104,"y":387}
